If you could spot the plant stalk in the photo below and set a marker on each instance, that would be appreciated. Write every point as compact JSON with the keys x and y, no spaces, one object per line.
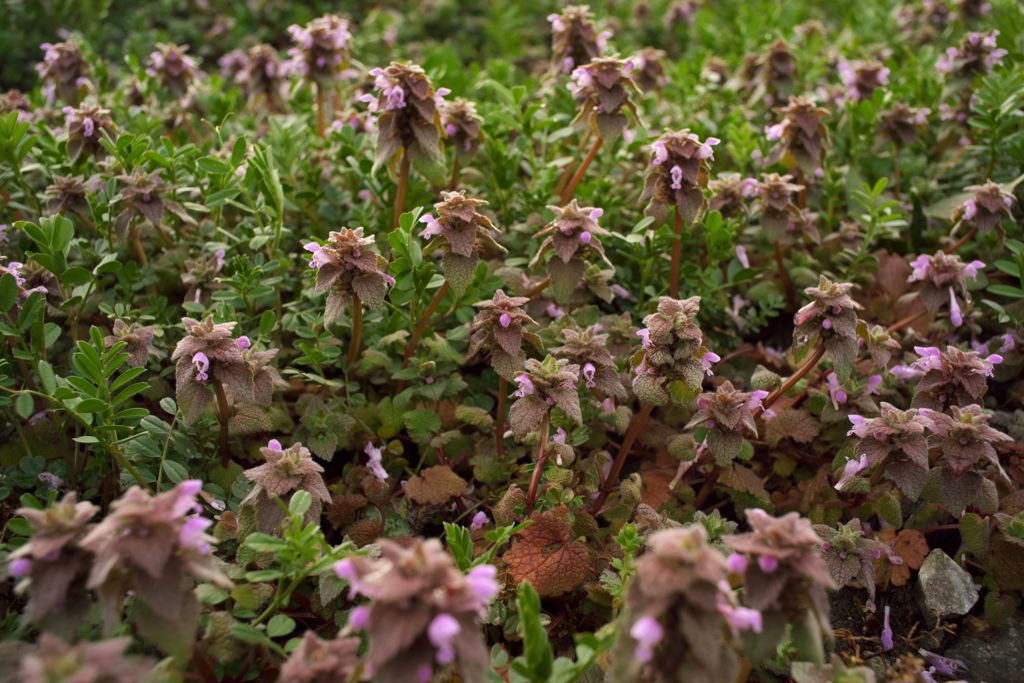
{"x":417,"y":334}
{"x":538,"y":470}
{"x":787,"y":283}
{"x":403,"y":183}
{"x":223,"y":416}
{"x":639,"y":420}
{"x":357,"y":330}
{"x":677,"y":254}
{"x":807,"y":366}
{"x":570,"y":189}
{"x":499,"y":423}
{"x":321,"y":123}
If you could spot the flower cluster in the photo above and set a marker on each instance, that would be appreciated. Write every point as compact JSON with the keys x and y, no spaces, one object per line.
{"x":209,"y":360}
{"x":648,"y":69}
{"x":67,"y":194}
{"x":770,"y":75}
{"x":575,"y":238}
{"x":951,"y":377}
{"x":672,"y":350}
{"x":102,"y":661}
{"x":347,"y":267}
{"x":422,"y":611}
{"x":408,"y":119}
{"x":831,"y":317}
{"x":726,"y":413}
{"x":53,"y":566}
{"x":462,"y":234}
{"x":64,"y":72}
{"x":588,"y":350}
{"x":941,"y":276}
{"x":862,"y":77}
{"x":849,"y":555}
{"x":678,"y":175}
{"x":966,"y":445}
{"x":603,"y":88}
{"x":316,"y":660}
{"x":262,"y":75}
{"x":498,"y":330}
{"x":986,"y":209}
{"x":153,"y":547}
{"x":775,"y":203}
{"x":85,"y":128}
{"x":574,"y":39}
{"x":976,"y":54}
{"x":801,"y":136}
{"x":677,"y":610}
{"x":320,"y":48}
{"x":19,"y":272}
{"x":172,"y":67}
{"x":138,"y":341}
{"x":730,"y":192}
{"x":461,"y":125}
{"x":785,"y":577}
{"x":285,"y":471}
{"x":144,"y":196}
{"x":896,"y":440}
{"x":542,"y":386}
{"x":900,"y":123}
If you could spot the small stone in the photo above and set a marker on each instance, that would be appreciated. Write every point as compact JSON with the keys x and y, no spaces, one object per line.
{"x":944,"y":589}
{"x":992,"y":655}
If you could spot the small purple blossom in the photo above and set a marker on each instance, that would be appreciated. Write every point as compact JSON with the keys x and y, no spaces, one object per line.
{"x":479,"y":520}
{"x":359,"y":618}
{"x":737,"y":563}
{"x":375,"y":462}
{"x":647,"y":633}
{"x":201,"y":363}
{"x":741,"y":618}
{"x":20,"y":567}
{"x":767,"y":563}
{"x":850,"y":470}
{"x":886,"y":631}
{"x":483,"y":582}
{"x":526,"y":387}
{"x":442,"y":631}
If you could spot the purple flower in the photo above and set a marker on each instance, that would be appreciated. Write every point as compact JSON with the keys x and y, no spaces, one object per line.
{"x":359,"y":618}
{"x":526,"y":387}
{"x":479,"y":520}
{"x":192,"y":534}
{"x":202,"y":364}
{"x":505,"y":320}
{"x":442,"y":631}
{"x":316,"y":250}
{"x":433,"y":227}
{"x":275,"y":445}
{"x":741,"y":256}
{"x":482,"y":582}
{"x":741,"y":618}
{"x":954,"y":309}
{"x":850,"y":470}
{"x":886,"y":631}
{"x":775,"y":132}
{"x":660,"y":153}
{"x":677,"y":178}
{"x":589,"y":371}
{"x":647,"y":633}
{"x":243,"y":342}
{"x":20,"y":567}
{"x":708,"y":359}
{"x":860,"y":427}
{"x":737,"y":563}
{"x":874,"y":382}
{"x":767,"y":563}
{"x":376,"y":466}
{"x":585,"y":237}
{"x":835,"y":391}
{"x":645,"y":338}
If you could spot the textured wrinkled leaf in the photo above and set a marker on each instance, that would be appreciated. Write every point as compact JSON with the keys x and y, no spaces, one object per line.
{"x":547,"y":555}
{"x":798,"y":425}
{"x":436,"y":485}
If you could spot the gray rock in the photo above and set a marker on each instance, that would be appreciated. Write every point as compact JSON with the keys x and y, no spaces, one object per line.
{"x":944,"y":589}
{"x":992,"y":655}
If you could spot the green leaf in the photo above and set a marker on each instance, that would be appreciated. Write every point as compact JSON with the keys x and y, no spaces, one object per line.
{"x":8,"y":292}
{"x":422,"y":424}
{"x":300,"y":502}
{"x":537,"y":651}
{"x":47,"y":376}
{"x":24,"y":406}
{"x":280,"y":625}
{"x":175,"y":471}
{"x":460,"y":544}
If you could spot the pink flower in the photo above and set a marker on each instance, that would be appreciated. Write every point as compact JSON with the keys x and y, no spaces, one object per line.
{"x":585,"y":237}
{"x":775,"y":132}
{"x":505,"y":320}
{"x":756,"y":399}
{"x":767,"y":563}
{"x":850,"y":470}
{"x":359,"y":618}
{"x":741,"y":256}
{"x":741,"y":618}
{"x":836,"y":392}
{"x":376,"y":466}
{"x":192,"y":534}
{"x":660,"y":153}
{"x":526,"y":387}
{"x":479,"y":520}
{"x":874,"y":382}
{"x":589,"y":371}
{"x":860,"y":426}
{"x":275,"y":445}
{"x":442,"y":631}
{"x":554,"y":311}
{"x":677,"y":178}
{"x":645,"y":338}
{"x":707,"y":360}
{"x":737,"y":563}
{"x":647,"y":633}
{"x":433,"y":227}
{"x":886,"y":631}
{"x":201,"y":363}
{"x":954,"y":309}
{"x":972,"y":268}
{"x":243,"y":342}
{"x":922,"y":266}
{"x":20,"y":567}
{"x":482,"y":582}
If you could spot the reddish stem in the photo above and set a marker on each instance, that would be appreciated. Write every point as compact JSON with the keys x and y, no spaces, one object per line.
{"x":961,"y":242}
{"x":538,"y":470}
{"x":321,"y":123}
{"x":639,"y":420}
{"x":453,"y":182}
{"x":906,"y":322}
{"x":570,"y":189}
{"x":705,"y":490}
{"x":223,"y":416}
{"x":808,"y":365}
{"x":539,"y":288}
